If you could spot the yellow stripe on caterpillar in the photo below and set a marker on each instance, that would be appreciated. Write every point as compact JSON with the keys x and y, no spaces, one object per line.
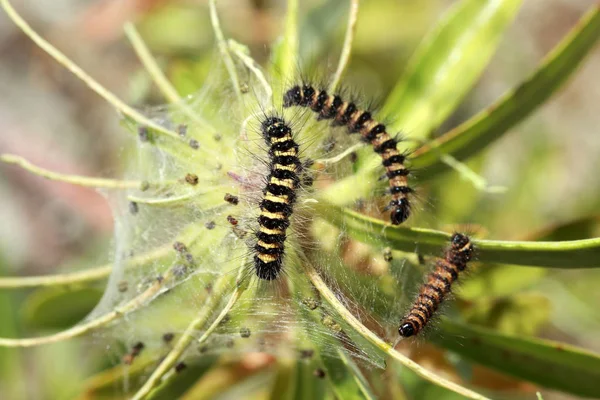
{"x":270,"y":231}
{"x":271,"y":215}
{"x":283,"y":182}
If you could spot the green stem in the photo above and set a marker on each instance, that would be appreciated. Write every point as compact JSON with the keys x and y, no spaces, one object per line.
{"x":563,"y":254}
{"x":73,"y":179}
{"x":214,"y":18}
{"x":347,"y":48}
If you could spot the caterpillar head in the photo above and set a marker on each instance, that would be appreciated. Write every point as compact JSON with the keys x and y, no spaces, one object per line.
{"x":406,"y":330}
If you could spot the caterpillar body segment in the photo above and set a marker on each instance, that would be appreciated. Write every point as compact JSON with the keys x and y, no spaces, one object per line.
{"x":279,"y":196}
{"x":438,"y":285}
{"x":344,"y":113}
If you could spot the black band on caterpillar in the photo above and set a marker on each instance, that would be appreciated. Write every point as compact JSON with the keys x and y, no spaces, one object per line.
{"x":279,"y":195}
{"x":438,"y":285}
{"x":346,"y":113}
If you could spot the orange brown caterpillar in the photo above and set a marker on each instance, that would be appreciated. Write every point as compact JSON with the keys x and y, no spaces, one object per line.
{"x":438,"y":285}
{"x":356,"y":120}
{"x":279,"y":196}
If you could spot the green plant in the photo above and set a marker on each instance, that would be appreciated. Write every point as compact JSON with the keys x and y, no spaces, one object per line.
{"x":329,"y":306}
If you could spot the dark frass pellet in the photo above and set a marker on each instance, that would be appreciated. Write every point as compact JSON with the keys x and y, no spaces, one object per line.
{"x":143,"y":134}
{"x":231,"y":199}
{"x":180,"y":367}
{"x":387,"y":254}
{"x":306,"y":353}
{"x":167,"y":337}
{"x":182,"y":130}
{"x":133,"y":207}
{"x":122,"y":286}
{"x":192,"y":179}
{"x":245,"y":333}
{"x":225,"y":320}
{"x":194,"y":144}
{"x":319,"y":373}
{"x":136,"y":349}
{"x":210,"y":225}
{"x":180,"y":247}
{"x":144,"y":185}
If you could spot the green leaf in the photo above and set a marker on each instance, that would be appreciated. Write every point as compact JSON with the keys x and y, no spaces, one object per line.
{"x":419,"y":388}
{"x":177,"y":384}
{"x":52,"y":308}
{"x":499,"y":280}
{"x":225,"y":380}
{"x":581,"y":228}
{"x":550,"y":364}
{"x":568,"y":254}
{"x":484,"y":128}
{"x":523,"y":313}
{"x":12,"y":366}
{"x":322,"y":21}
{"x":110,"y":384}
{"x":285,"y":53}
{"x":284,"y":380}
{"x":447,"y":64}
{"x":346,"y":379}
{"x":308,"y":386}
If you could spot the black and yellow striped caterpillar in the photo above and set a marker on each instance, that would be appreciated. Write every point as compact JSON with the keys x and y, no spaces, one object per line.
{"x":437,"y":285}
{"x":356,"y":120}
{"x":279,"y":195}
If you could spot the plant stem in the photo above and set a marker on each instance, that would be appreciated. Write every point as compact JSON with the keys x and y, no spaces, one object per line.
{"x":347,"y":49}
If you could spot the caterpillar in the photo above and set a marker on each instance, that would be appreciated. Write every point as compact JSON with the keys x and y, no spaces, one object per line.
{"x":437,"y":285}
{"x":279,"y":195}
{"x":356,"y":120}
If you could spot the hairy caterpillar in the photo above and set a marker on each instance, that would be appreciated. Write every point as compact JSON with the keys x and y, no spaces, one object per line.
{"x":279,"y":195}
{"x":356,"y":120}
{"x":437,"y":285}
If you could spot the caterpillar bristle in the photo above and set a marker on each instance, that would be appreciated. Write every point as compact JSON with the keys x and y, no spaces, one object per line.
{"x":437,"y":285}
{"x":279,"y":196}
{"x":346,"y":113}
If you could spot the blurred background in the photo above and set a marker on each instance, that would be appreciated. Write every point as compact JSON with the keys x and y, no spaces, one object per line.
{"x":548,"y":164}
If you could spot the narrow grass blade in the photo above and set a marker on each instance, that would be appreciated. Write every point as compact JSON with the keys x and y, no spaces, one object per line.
{"x":52,"y":308}
{"x":447,"y":64}
{"x":489,"y":125}
{"x":285,"y":53}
